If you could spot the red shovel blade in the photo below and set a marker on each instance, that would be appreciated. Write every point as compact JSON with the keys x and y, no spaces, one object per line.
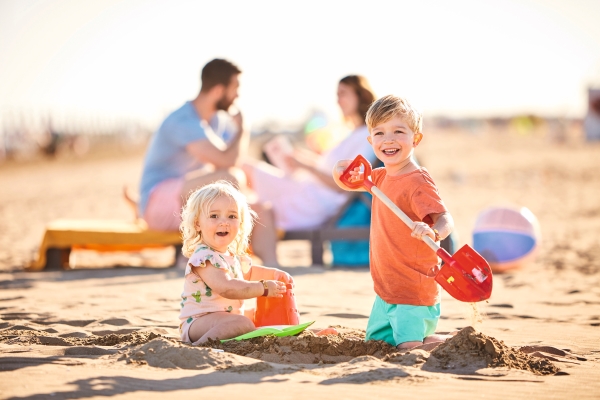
{"x":466,"y":275}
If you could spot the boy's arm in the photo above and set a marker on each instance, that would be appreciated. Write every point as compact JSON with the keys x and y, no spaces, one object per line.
{"x":443,"y":223}
{"x":338,"y":170}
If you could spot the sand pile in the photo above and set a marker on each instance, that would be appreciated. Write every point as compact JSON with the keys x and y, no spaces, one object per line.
{"x":472,"y":349}
{"x":28,"y":336}
{"x":165,"y":353}
{"x":466,"y":352}
{"x":306,"y":348}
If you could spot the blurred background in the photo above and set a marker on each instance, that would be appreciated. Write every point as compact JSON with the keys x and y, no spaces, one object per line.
{"x":78,"y":74}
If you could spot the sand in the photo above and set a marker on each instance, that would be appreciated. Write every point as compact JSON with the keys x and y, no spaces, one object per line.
{"x":100,"y":331}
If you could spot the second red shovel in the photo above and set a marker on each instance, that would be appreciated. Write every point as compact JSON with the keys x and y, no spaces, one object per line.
{"x":466,"y":275}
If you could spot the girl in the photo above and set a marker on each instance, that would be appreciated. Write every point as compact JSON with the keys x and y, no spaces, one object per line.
{"x":216,"y":225}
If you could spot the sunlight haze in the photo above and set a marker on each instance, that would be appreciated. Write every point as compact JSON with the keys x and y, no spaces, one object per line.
{"x":143,"y":58}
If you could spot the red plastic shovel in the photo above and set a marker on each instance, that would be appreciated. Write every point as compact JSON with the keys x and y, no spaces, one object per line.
{"x":466,"y":275}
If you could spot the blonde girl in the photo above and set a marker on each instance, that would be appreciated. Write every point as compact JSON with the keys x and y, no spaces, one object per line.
{"x":216,"y":225}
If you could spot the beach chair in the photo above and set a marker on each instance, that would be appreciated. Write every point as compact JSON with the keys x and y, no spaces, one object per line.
{"x":63,"y":236}
{"x":330,"y":231}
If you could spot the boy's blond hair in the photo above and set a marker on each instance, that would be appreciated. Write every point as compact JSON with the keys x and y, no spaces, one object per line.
{"x":388,"y":107}
{"x":200,"y":202}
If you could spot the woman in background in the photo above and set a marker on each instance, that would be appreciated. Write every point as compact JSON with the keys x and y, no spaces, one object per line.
{"x":305,"y":195}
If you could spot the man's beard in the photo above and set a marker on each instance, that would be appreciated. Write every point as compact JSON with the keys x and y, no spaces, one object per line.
{"x":224,"y":103}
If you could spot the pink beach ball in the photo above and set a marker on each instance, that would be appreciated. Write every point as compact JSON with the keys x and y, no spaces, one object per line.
{"x":506,"y":237}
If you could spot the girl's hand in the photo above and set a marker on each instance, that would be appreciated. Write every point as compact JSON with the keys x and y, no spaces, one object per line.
{"x":276,"y":288}
{"x":282,"y":276}
{"x":421,"y":229}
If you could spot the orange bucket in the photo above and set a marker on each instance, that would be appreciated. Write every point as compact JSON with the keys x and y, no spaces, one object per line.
{"x":277,"y":311}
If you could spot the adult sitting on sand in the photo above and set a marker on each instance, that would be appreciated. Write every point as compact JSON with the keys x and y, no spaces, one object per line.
{"x":309,"y":200}
{"x":198,"y":143}
{"x":216,"y":225}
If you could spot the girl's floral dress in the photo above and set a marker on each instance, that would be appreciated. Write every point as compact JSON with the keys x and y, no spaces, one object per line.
{"x":198,"y":298}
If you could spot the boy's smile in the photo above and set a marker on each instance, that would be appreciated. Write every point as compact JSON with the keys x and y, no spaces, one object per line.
{"x":220,"y":224}
{"x":393,"y":142}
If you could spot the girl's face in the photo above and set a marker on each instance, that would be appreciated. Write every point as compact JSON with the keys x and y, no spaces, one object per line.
{"x":347,"y":100}
{"x":220,"y":225}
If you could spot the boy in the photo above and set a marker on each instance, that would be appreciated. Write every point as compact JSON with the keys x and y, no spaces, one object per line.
{"x":407,"y":306}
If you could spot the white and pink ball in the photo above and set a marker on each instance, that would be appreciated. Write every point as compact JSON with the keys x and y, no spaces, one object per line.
{"x":506,"y":237}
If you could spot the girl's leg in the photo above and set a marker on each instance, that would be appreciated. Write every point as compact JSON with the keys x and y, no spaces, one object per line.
{"x":219,"y":325}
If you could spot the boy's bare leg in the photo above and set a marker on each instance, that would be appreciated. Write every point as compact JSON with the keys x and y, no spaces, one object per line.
{"x":409,"y":345}
{"x":428,"y":344}
{"x":436,"y":338}
{"x":219,"y":325}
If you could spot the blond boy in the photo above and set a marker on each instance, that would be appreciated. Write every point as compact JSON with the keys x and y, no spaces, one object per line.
{"x":407,"y":306}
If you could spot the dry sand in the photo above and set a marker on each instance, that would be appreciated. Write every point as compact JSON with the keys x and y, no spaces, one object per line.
{"x":95,"y":332}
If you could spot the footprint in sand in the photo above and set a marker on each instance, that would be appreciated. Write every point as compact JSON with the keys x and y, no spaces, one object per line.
{"x":115,"y":321}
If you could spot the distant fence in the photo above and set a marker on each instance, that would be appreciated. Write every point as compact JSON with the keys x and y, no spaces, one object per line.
{"x":27,"y":134}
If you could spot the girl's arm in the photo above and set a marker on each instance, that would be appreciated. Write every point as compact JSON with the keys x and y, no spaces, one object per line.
{"x":231,"y":288}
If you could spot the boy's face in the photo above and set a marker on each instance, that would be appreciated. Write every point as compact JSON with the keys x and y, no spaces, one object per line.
{"x":393,"y":142}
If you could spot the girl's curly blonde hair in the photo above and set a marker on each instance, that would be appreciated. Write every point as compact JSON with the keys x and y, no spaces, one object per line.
{"x":200,"y":202}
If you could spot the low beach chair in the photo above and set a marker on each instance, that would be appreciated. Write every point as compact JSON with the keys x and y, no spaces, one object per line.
{"x":62,"y":236}
{"x":330,"y":231}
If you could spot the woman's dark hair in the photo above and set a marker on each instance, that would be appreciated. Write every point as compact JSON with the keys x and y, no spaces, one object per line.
{"x":363,"y":91}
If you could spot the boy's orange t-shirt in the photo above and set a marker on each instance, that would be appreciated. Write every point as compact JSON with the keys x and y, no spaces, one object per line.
{"x":392,"y":250}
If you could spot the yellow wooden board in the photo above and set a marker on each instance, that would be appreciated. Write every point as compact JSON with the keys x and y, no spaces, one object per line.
{"x":101,"y":235}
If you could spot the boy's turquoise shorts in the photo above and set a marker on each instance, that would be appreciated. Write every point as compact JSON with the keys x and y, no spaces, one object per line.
{"x":399,"y":323}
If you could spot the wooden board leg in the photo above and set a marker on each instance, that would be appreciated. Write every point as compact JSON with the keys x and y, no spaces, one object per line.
{"x":57,"y":259}
{"x":316,"y":244}
{"x":178,"y":254}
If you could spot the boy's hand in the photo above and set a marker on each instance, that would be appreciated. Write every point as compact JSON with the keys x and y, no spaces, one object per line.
{"x":421,"y":229}
{"x":339,"y":169}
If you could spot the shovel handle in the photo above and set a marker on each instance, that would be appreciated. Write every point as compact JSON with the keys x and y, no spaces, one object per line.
{"x":409,"y":222}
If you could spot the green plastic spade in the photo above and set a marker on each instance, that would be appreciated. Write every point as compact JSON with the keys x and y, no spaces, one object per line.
{"x":289,"y":330}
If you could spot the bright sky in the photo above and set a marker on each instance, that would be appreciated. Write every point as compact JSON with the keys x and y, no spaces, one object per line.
{"x":143,"y":57}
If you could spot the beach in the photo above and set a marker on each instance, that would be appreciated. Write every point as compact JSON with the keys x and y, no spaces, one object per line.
{"x":99,"y":330}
